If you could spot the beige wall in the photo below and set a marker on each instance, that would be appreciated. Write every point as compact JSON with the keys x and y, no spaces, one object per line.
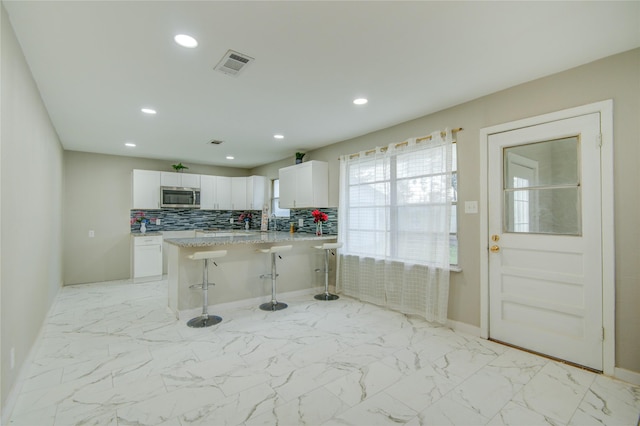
{"x":98,"y":197}
{"x":31,"y":212}
{"x":617,"y":78}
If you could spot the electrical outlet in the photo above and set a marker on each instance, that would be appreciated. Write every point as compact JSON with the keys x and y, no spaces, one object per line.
{"x":231,"y":220}
{"x":158,"y":221}
{"x":300,"y":223}
{"x":92,"y":233}
{"x":12,"y":361}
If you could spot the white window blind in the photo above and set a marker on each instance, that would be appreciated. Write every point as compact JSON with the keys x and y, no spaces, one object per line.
{"x":398,"y":204}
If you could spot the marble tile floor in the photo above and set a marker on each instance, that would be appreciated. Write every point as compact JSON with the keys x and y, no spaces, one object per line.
{"x":112,"y":354}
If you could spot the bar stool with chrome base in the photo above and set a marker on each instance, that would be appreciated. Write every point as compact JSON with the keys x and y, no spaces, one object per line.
{"x":327,"y":247}
{"x":274,"y":305}
{"x":205,"y":320}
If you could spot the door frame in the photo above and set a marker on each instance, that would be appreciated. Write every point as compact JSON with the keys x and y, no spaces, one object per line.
{"x":605,"y":108}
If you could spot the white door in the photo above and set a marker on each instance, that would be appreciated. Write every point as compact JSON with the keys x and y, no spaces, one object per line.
{"x":545,"y":260}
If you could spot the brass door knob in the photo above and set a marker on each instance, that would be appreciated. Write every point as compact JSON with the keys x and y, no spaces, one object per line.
{"x":494,"y":249}
{"x":495,"y":238}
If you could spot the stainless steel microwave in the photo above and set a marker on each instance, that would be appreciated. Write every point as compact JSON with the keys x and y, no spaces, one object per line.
{"x":177,"y":197}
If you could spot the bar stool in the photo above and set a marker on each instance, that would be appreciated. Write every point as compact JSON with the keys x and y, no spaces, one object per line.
{"x":205,"y":320}
{"x":327,"y":247}
{"x":274,"y":305}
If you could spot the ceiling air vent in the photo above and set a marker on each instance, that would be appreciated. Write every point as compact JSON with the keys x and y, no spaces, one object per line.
{"x":215,"y":142}
{"x":233,"y":62}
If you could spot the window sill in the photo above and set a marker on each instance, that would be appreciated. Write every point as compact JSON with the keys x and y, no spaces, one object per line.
{"x":455,"y":268}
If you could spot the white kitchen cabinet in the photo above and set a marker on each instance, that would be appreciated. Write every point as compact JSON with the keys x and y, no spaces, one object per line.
{"x":184,"y":180}
{"x":304,"y":185}
{"x":145,"y":189}
{"x":215,"y":192}
{"x":147,"y":258}
{"x":207,"y":192}
{"x":238,"y":193}
{"x":256,"y":192}
{"x":223,"y":193}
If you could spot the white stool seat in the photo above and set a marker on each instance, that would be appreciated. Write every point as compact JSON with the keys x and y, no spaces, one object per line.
{"x":199,"y":255}
{"x":328,"y":246}
{"x":276,"y":249}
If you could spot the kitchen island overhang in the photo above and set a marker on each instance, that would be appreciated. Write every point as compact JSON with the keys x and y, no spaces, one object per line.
{"x":237,"y":275}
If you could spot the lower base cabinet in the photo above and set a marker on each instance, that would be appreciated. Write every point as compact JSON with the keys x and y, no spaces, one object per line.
{"x":147,"y":258}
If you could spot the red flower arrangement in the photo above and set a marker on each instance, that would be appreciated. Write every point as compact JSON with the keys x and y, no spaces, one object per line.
{"x":319,"y":216}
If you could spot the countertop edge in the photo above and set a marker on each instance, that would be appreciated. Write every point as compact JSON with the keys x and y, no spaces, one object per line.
{"x":259,"y":238}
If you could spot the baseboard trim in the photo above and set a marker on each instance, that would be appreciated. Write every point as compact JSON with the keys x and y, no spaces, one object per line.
{"x":187,"y":314}
{"x":464,"y":327}
{"x":627,"y":376}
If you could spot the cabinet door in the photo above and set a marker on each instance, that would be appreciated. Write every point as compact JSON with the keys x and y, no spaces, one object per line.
{"x":170,"y":179}
{"x":189,"y":180}
{"x":207,"y":192}
{"x":256,"y":192}
{"x":304,"y":185}
{"x":238,"y":193}
{"x":287,"y":187}
{"x":223,"y":193}
{"x":146,"y":189}
{"x":147,"y":261}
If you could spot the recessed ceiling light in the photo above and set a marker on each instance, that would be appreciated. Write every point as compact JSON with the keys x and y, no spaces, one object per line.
{"x":129,"y":144}
{"x":230,"y":157}
{"x":186,"y":40}
{"x":360,"y":101}
{"x":148,"y":110}
{"x":278,"y":136}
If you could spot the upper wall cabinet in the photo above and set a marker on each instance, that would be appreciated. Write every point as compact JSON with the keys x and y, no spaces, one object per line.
{"x":248,"y":193}
{"x":238,"y":193}
{"x":256,"y":192}
{"x":185,"y":180}
{"x":215,"y":193}
{"x":305,"y":185}
{"x":146,"y":189}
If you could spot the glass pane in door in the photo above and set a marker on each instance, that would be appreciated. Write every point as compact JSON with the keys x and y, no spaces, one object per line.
{"x":542,"y":188}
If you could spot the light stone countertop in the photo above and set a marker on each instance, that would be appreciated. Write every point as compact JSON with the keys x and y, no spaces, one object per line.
{"x":255,"y":237}
{"x":146,"y":234}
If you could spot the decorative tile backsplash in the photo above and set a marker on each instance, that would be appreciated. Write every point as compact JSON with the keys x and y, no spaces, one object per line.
{"x":330,"y":227}
{"x":187,"y":219}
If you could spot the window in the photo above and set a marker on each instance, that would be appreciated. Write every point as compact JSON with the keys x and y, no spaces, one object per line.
{"x":275,"y":200}
{"x":397,"y":205}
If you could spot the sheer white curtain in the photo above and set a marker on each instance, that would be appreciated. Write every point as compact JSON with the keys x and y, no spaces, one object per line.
{"x":394,"y":216}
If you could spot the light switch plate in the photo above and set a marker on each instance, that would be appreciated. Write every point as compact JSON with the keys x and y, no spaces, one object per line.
{"x":92,"y":233}
{"x":471,"y":207}
{"x":301,"y":222}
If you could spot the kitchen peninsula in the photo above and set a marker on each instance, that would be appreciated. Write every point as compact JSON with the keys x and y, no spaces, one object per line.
{"x":237,"y":275}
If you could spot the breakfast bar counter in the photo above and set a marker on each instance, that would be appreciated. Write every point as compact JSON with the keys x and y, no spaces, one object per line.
{"x":237,"y":275}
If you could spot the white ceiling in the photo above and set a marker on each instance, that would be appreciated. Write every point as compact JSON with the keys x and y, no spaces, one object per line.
{"x":97,"y":63}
